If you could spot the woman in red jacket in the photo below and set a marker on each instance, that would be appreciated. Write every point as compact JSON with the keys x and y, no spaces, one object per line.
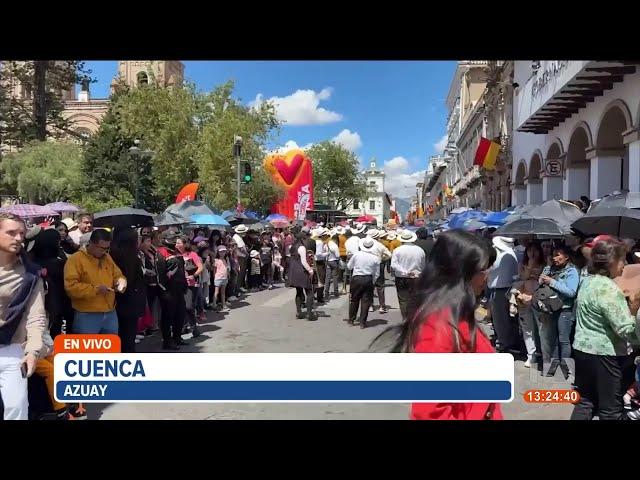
{"x":453,"y":280}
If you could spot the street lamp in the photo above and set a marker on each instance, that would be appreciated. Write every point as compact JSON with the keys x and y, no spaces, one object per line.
{"x":136,"y":153}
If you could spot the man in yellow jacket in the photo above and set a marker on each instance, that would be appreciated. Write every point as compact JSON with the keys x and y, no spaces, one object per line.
{"x":91,"y":279}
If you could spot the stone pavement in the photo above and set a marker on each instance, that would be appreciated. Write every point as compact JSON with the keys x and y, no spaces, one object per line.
{"x":265,"y":322}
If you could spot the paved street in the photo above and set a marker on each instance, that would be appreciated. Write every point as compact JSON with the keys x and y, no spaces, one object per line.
{"x":265,"y":322}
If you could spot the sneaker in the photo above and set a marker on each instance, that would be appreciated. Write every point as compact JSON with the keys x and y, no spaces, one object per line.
{"x":634,"y":415}
{"x":76,"y":411}
{"x":137,"y":340}
{"x":228,"y":304}
{"x":527,"y":364}
{"x":373,"y":309}
{"x":383,"y":310}
{"x":270,"y":287}
{"x":139,"y":337}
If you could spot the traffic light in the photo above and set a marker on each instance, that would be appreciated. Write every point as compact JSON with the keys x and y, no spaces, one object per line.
{"x":246,"y":172}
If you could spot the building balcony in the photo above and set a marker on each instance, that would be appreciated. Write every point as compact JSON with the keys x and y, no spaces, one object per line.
{"x":560,"y":88}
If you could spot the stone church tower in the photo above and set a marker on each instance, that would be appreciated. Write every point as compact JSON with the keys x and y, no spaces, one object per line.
{"x":140,"y":72}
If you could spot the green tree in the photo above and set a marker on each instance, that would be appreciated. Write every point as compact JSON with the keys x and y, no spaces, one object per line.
{"x":108,"y":170}
{"x":220,"y":119}
{"x":44,"y":172}
{"x":34,"y":111}
{"x":261,"y":193}
{"x":165,"y":119}
{"x":336,"y":175}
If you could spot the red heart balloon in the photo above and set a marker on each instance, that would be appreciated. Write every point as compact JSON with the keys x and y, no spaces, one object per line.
{"x":289,"y":171}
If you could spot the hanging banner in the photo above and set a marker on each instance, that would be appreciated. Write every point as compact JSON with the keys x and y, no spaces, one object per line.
{"x":293,"y":170}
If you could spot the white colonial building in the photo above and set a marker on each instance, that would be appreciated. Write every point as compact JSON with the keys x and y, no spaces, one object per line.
{"x":378,"y":202}
{"x":576,"y":129}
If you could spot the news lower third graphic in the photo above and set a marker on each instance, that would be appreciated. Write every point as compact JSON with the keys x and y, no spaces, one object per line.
{"x":100,"y":377}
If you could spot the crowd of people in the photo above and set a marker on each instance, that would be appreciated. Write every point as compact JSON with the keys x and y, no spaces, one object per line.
{"x":554,"y":301}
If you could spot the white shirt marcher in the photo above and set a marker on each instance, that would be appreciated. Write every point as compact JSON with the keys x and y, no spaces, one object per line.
{"x":334,"y":251}
{"x":352,"y":245}
{"x":365,"y":263}
{"x":408,"y":261}
{"x":381,"y":251}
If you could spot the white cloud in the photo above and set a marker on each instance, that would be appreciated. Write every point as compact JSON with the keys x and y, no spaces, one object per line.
{"x":301,"y":107}
{"x":439,"y":146}
{"x":348,"y":139}
{"x":399,"y":182}
{"x":291,"y":145}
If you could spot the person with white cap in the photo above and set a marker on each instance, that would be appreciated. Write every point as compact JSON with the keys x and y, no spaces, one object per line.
{"x":352,"y":246}
{"x":241,"y":252}
{"x":322,"y":252}
{"x":384,"y":254}
{"x":501,"y":276}
{"x":333,"y":266}
{"x":343,"y":235}
{"x":407,"y":262}
{"x":365,"y":267}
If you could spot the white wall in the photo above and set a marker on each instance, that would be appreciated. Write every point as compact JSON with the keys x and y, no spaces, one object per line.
{"x":525,"y":144}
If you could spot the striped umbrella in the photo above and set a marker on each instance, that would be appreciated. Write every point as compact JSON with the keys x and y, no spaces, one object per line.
{"x":27,"y":210}
{"x":63,"y":207}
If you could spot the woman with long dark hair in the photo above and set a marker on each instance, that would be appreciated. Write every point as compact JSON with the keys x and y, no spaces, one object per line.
{"x":66,"y":244}
{"x":529,"y":270}
{"x":130,"y":304}
{"x":554,"y":330}
{"x":454,"y":278}
{"x":193,"y":267}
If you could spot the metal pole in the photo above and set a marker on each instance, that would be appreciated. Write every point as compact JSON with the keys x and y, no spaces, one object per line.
{"x":237,"y":149}
{"x":238,"y":181}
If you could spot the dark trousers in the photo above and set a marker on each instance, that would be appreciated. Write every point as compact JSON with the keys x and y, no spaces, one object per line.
{"x":406,"y":288}
{"x":174,"y":311}
{"x":191,"y":301}
{"x":266,"y":272}
{"x":599,"y":382}
{"x":380,"y":286}
{"x":304,"y":297}
{"x":153,"y":293}
{"x":506,"y":328}
{"x":127,"y":329}
{"x":321,"y":268}
{"x":232,"y":285}
{"x":332,"y":273}
{"x":255,"y":280}
{"x":360,"y":294}
{"x":242,"y":279}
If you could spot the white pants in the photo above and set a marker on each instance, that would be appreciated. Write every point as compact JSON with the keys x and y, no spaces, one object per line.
{"x":527,"y":324}
{"x":13,"y":388}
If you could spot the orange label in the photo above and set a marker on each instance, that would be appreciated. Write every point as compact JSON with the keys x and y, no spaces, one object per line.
{"x":91,"y":343}
{"x":551,"y":396}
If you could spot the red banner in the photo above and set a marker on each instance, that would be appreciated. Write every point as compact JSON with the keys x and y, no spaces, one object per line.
{"x":292,"y":170}
{"x":188,"y":192}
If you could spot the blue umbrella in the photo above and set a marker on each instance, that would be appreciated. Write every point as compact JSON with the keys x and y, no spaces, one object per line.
{"x":252,"y":215}
{"x":276,"y":216}
{"x":209,"y":219}
{"x":458,"y":220}
{"x":227,"y":214}
{"x":495,"y":219}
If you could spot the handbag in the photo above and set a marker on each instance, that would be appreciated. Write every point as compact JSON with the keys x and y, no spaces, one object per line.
{"x":546,"y":300}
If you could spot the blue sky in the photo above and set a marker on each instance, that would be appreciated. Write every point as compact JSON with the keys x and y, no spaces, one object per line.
{"x":393,"y":111}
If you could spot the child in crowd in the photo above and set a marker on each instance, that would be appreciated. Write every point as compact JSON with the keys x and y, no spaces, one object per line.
{"x":278,"y":269}
{"x":255,"y":278}
{"x":221,"y":277}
